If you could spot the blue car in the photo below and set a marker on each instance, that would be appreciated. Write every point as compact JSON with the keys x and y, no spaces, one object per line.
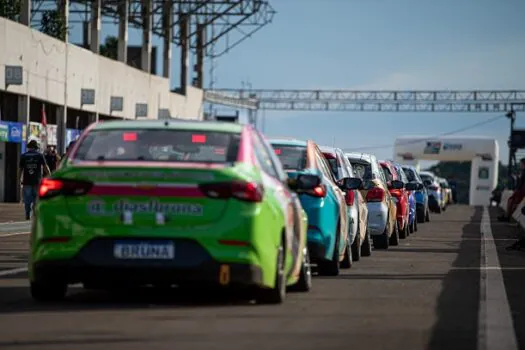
{"x":329,"y":243}
{"x":422,"y":208}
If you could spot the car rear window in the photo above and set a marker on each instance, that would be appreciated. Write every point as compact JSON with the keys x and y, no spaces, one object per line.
{"x":410,"y":174}
{"x":362,"y":169}
{"x":159,"y":145}
{"x":426,"y":177}
{"x":291,"y":157}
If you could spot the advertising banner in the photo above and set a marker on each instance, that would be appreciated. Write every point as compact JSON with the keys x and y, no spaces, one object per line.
{"x":4,"y":132}
{"x":11,"y":132}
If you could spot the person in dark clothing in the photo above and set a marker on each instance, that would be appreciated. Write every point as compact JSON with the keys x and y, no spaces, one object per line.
{"x":52,"y":158}
{"x":517,"y":196}
{"x":32,"y":164}
{"x":68,"y":149}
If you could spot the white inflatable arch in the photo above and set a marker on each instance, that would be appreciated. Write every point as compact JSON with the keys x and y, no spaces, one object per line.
{"x":483,"y":152}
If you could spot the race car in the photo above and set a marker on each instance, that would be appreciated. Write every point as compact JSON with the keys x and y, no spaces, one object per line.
{"x":156,"y":203}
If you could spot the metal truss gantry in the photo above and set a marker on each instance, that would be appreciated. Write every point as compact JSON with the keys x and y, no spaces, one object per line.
{"x":232,"y":20}
{"x":370,"y":101}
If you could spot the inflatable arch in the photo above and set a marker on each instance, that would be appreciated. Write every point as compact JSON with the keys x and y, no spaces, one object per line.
{"x":483,"y":152}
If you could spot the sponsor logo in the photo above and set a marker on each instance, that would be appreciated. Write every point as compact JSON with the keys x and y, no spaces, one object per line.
{"x":432,"y":148}
{"x":99,"y":207}
{"x":452,"y":147}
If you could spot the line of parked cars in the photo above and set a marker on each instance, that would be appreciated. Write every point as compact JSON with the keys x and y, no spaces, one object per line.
{"x":183,"y":203}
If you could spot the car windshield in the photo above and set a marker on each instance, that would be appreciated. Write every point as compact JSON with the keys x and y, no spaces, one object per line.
{"x":159,"y":145}
{"x":291,"y":157}
{"x":333,"y":166}
{"x":362,"y":169}
{"x":411,"y":175}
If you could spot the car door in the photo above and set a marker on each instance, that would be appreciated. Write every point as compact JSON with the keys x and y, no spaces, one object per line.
{"x":339,"y":194}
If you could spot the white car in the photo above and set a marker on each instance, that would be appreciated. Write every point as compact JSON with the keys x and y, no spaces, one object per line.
{"x":436,"y":201}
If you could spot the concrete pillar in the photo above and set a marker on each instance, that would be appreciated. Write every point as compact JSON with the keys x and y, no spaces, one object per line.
{"x":25,"y":12}
{"x":95,"y":26}
{"x":184,"y":52}
{"x":122,"y":54}
{"x":167,"y":24}
{"x":146,"y":35}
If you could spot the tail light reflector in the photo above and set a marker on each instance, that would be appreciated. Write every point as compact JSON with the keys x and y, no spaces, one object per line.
{"x":349,"y":198}
{"x":244,"y":191}
{"x":65,"y":187}
{"x":396,"y":193}
{"x":375,"y":194}
{"x":319,"y":191}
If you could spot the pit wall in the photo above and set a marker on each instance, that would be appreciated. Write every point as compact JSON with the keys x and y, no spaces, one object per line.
{"x":44,"y":62}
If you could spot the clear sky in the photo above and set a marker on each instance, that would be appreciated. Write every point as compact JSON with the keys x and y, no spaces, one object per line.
{"x":379,"y":44}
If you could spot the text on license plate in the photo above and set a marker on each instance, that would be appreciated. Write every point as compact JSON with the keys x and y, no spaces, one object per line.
{"x":144,"y":250}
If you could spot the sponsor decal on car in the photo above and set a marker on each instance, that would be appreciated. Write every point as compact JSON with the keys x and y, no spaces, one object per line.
{"x":99,"y":207}
{"x":140,"y":174}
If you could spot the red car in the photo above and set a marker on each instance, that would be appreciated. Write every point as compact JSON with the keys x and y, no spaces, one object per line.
{"x":400,"y":196}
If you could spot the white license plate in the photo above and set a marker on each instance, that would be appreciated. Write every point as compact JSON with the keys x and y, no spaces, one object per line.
{"x":144,"y":250}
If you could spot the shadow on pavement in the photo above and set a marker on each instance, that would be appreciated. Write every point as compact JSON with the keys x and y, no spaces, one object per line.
{"x":514,"y":280}
{"x":458,"y":303}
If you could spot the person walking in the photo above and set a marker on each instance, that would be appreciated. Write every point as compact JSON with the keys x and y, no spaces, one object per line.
{"x":52,"y":158}
{"x":32,"y":165}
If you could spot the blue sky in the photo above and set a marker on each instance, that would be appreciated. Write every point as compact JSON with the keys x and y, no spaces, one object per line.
{"x":379,"y":44}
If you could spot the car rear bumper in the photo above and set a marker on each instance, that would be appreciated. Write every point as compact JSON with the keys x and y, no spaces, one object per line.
{"x":95,"y":264}
{"x":377,"y":217}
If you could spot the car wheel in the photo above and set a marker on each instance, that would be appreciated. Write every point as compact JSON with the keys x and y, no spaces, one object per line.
{"x":381,"y":242}
{"x":277,"y":294}
{"x":48,"y":291}
{"x":412,"y":227}
{"x":403,"y":233}
{"x":394,"y":239}
{"x":427,"y":216}
{"x":356,"y":246}
{"x":415,"y":225}
{"x":366,"y":247}
{"x":304,"y":284}
{"x":331,"y":267}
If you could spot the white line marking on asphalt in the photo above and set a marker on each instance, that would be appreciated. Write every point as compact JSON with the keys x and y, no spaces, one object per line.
{"x":13,"y":271}
{"x":510,"y":268}
{"x":13,"y":234}
{"x":13,"y":222}
{"x":495,"y":326}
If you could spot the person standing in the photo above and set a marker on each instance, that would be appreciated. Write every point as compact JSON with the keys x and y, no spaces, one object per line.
{"x":32,"y":165}
{"x":52,"y":158}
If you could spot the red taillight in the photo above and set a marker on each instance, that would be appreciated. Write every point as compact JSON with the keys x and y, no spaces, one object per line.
{"x":349,"y":198}
{"x":319,"y":191}
{"x":396,"y":193}
{"x":433,"y":188}
{"x":54,"y":187}
{"x":244,"y":191}
{"x":375,"y":194}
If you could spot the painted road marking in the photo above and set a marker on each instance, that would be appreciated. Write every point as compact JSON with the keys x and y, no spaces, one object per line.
{"x":13,"y":234}
{"x":495,"y":326}
{"x":477,"y":268}
{"x":13,"y":271}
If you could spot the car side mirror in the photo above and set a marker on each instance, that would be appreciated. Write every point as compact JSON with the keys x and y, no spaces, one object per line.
{"x":420,"y":186}
{"x":304,"y":182}
{"x":411,"y":186}
{"x":397,"y":185}
{"x":351,"y":183}
{"x":427,"y":183}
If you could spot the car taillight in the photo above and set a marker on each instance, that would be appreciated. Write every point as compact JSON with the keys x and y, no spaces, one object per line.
{"x":375,"y":194}
{"x":396,"y":193}
{"x":244,"y":191}
{"x":55,"y":187}
{"x":349,"y":198}
{"x":319,"y":191}
{"x":433,"y":188}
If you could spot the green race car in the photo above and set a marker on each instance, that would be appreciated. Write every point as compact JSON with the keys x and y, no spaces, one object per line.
{"x":170,"y":203}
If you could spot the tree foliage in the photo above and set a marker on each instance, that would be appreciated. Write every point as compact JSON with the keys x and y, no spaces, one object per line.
{"x":110,"y":47}
{"x":10,"y":9}
{"x":54,"y":24}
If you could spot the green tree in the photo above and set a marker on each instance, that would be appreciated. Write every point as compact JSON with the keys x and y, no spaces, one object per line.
{"x":10,"y":9}
{"x":110,"y":47}
{"x":54,"y":24}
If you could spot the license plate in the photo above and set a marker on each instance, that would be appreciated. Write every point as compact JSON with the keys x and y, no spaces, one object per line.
{"x":144,"y":250}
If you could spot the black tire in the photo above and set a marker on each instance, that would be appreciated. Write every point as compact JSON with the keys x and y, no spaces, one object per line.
{"x":438,"y":210}
{"x":48,"y":291}
{"x":304,"y":284}
{"x":331,"y":267}
{"x":366,"y":247}
{"x":427,"y":216}
{"x":415,"y":225}
{"x":348,"y":256}
{"x":420,"y":216}
{"x":412,"y":227}
{"x":444,"y":208}
{"x":381,"y":242}
{"x":394,"y":239}
{"x":356,"y":246}
{"x":402,"y":234}
{"x":277,"y":294}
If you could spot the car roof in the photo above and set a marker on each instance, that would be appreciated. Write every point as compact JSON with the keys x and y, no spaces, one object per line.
{"x":359,"y":156}
{"x":427,"y":173}
{"x":171,"y":124}
{"x":288,"y":142}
